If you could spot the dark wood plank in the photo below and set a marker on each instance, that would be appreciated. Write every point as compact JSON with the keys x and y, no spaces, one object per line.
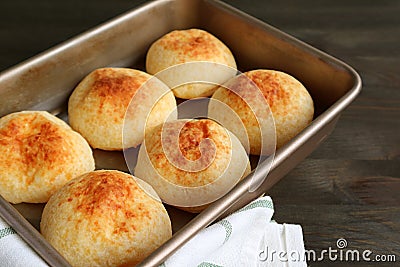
{"x":363,"y":227}
{"x":28,"y":28}
{"x":341,"y":181}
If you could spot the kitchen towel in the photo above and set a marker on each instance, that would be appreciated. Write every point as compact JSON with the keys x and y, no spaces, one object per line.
{"x":247,"y":237}
{"x":14,"y":252}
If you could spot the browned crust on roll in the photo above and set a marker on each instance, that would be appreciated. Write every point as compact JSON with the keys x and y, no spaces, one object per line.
{"x":289,"y":102}
{"x":188,"y":46}
{"x":108,"y":99}
{"x":191,"y":163}
{"x":104,"y":194}
{"x":39,"y":153}
{"x":190,"y":136}
{"x":114,"y":90}
{"x":35,"y":142}
{"x":272,"y":86}
{"x":105,"y":217}
{"x":193,"y":43}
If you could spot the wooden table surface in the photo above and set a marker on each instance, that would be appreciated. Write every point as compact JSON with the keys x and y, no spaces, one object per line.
{"x":350,"y":186}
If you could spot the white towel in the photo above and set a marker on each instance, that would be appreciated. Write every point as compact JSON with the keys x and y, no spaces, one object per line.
{"x":247,"y":237}
{"x":14,"y":252}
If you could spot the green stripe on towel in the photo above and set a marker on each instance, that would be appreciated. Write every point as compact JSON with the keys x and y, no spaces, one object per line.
{"x":207,"y":264}
{"x":261,"y":203}
{"x":6,"y":231}
{"x":228,"y":229}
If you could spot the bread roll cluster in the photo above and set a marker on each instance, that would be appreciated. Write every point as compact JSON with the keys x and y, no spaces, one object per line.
{"x":110,"y":218}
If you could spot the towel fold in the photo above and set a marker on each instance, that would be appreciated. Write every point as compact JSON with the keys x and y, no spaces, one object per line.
{"x":247,"y":237}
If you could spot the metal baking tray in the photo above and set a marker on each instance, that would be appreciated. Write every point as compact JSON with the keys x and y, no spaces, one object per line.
{"x":45,"y":82}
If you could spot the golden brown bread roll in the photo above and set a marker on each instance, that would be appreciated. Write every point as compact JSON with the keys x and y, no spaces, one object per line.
{"x":187,"y":173}
{"x":105,"y":218}
{"x":192,"y":45}
{"x":109,"y":99}
{"x":290,"y":103}
{"x":39,"y":153}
